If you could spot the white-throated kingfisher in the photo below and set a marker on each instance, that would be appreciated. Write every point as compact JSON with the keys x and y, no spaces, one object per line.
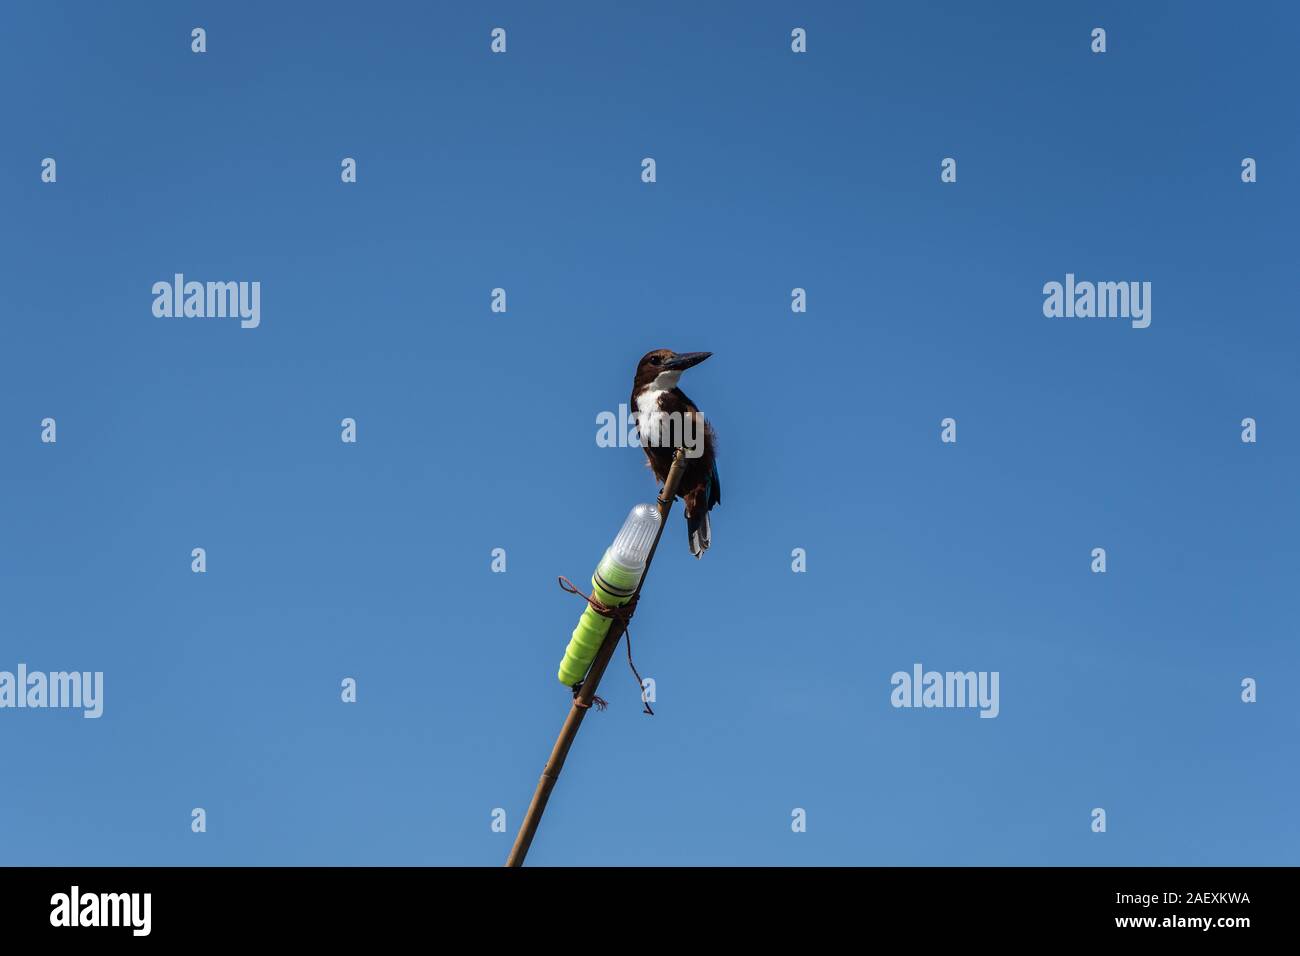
{"x":668,"y":420}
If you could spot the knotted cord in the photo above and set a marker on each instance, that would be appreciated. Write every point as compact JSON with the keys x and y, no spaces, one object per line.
{"x":619,"y":615}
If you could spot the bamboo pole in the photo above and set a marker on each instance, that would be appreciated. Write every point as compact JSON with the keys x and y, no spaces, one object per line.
{"x":582,"y":703}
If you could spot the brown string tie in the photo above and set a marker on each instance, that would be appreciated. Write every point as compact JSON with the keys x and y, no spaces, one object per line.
{"x":619,"y":615}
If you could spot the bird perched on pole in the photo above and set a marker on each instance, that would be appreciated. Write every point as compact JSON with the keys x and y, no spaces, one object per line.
{"x":667,"y":420}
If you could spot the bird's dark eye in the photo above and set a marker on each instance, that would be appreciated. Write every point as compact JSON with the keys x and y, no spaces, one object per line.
{"x":656,"y":361}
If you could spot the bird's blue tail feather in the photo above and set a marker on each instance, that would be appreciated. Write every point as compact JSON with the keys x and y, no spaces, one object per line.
{"x":698,"y":530}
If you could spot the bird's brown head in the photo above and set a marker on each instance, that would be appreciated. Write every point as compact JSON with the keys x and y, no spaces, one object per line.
{"x":663,"y":367}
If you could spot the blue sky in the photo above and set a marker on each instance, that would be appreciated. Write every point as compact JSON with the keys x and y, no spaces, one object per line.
{"x":477,"y":430}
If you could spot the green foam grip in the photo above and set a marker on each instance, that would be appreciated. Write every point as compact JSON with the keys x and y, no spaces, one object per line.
{"x":592,"y":627}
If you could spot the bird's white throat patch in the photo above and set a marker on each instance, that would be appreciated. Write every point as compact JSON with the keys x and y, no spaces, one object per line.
{"x":662,"y":429}
{"x":652,"y":422}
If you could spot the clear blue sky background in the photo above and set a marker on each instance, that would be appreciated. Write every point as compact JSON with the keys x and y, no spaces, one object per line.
{"x":477,"y":430}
